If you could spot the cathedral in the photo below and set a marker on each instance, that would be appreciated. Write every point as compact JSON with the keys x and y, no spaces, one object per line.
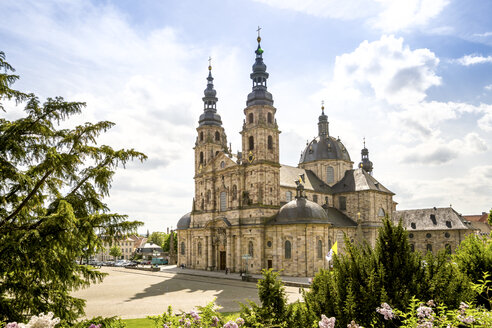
{"x":250,"y":212}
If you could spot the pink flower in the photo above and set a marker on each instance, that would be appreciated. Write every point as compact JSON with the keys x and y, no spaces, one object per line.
{"x":215,"y":321}
{"x":230,"y":324}
{"x":424,"y":312}
{"x":327,"y":322}
{"x":12,"y":325}
{"x":386,"y":311}
{"x":240,"y":321}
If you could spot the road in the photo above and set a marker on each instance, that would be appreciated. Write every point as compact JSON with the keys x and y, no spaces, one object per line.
{"x":136,"y":294}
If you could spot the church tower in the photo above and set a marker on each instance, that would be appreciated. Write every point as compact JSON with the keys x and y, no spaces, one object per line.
{"x":211,"y":137}
{"x":260,"y":139}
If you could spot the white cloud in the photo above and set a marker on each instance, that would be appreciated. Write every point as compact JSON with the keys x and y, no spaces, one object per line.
{"x":405,"y":14}
{"x":394,"y":72}
{"x":385,"y":15}
{"x":483,"y":35}
{"x":473,"y":60}
{"x":488,"y":87}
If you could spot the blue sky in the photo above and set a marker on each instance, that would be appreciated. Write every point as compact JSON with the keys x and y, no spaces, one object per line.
{"x":414,"y":77}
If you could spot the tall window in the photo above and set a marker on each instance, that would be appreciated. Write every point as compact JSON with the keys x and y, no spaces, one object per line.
{"x":234,"y":192}
{"x":201,"y":136}
{"x":208,"y":196}
{"x":217,"y":136}
{"x":342,"y":203}
{"x":320,"y":249}
{"x":270,"y":142}
{"x":288,"y":249}
{"x":288,"y":196}
{"x":429,"y":247}
{"x":381,"y":212}
{"x":330,"y":174}
{"x":201,"y":157}
{"x":182,"y":248}
{"x":199,"y":249}
{"x":223,"y":201}
{"x":269,"y":118}
{"x":315,"y":198}
{"x":250,"y":248}
{"x":251,"y":143}
{"x":250,"y":118}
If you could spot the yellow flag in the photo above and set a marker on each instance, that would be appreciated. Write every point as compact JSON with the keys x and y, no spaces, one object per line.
{"x":335,"y":247}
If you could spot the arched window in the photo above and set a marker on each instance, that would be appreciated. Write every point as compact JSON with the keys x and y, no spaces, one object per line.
{"x":234,"y":192}
{"x":201,"y":157}
{"x":270,"y":142}
{"x":182,"y":248}
{"x":201,"y":136}
{"x":250,"y":249}
{"x":381,"y":212}
{"x":269,"y":118}
{"x":223,"y":201}
{"x":320,"y":249}
{"x":199,"y":249}
{"x":217,"y":136}
{"x":288,"y":249}
{"x":288,"y":196}
{"x":429,"y":247}
{"x":330,"y":174}
{"x":222,"y":164}
{"x":203,"y":204}
{"x":250,"y":118}
{"x":251,"y":140}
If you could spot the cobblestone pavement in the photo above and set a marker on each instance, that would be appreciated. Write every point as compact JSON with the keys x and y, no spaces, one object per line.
{"x":135,"y":294}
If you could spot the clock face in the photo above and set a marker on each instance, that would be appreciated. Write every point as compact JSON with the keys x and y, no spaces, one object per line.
{"x":251,"y":157}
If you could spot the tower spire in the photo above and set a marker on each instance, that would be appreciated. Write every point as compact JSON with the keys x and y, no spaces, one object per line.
{"x":323,"y":122}
{"x":365,"y":163}
{"x":210,"y":116}
{"x":259,"y":94}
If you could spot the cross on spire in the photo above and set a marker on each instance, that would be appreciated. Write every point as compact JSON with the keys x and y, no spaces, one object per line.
{"x":258,"y":30}
{"x":209,"y":63}
{"x":323,"y":106}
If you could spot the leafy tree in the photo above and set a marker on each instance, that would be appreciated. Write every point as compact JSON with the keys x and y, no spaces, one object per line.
{"x":364,"y":277}
{"x":489,"y":219}
{"x":52,"y":184}
{"x":158,"y":238}
{"x":474,"y":258}
{"x":167,"y":242}
{"x":273,"y":310}
{"x":115,"y":252}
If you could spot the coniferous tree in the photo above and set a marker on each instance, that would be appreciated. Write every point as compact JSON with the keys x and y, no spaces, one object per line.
{"x":52,"y":184}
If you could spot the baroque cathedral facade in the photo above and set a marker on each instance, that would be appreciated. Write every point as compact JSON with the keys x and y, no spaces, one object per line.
{"x":250,"y":212}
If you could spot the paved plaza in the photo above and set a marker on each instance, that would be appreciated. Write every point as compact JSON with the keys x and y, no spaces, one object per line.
{"x":135,"y":294}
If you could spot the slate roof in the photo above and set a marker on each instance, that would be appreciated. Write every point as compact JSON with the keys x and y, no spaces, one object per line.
{"x":300,"y":210}
{"x":421,"y":219}
{"x":338,"y":219}
{"x":324,"y":147}
{"x":290,"y":174}
{"x":358,"y":180}
{"x":184,"y":222}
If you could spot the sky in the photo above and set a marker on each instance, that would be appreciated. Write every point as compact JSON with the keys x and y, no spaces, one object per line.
{"x":412,"y":77}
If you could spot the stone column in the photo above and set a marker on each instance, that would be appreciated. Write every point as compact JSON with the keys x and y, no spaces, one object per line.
{"x":209,"y":252}
{"x":228,"y":250}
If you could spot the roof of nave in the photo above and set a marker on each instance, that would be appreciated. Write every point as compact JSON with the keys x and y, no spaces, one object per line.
{"x":338,"y":219}
{"x":432,"y":219}
{"x":290,"y":174}
{"x":358,"y":180}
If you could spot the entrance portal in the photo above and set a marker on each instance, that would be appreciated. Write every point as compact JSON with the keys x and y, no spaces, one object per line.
{"x":222,"y":261}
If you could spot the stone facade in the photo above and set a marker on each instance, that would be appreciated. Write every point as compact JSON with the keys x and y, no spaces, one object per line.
{"x":250,"y":212}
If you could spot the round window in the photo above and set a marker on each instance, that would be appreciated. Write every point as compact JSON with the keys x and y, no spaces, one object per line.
{"x":269,"y":243}
{"x":410,"y":235}
{"x":428,"y":235}
{"x":447,"y":235}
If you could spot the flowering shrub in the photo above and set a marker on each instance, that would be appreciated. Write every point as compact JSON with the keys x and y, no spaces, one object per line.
{"x":41,"y":321}
{"x":206,"y":316}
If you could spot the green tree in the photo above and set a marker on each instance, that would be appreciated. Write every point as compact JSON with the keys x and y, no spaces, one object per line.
{"x":364,"y":277}
{"x":158,"y":238}
{"x":52,"y":184}
{"x":474,"y":258}
{"x":273,"y":310}
{"x":167,"y":242}
{"x":115,"y":252}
